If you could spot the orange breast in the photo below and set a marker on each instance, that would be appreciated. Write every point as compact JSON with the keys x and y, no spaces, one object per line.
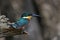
{"x":29,"y":17}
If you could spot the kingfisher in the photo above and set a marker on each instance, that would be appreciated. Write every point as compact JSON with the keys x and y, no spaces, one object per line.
{"x":23,"y":21}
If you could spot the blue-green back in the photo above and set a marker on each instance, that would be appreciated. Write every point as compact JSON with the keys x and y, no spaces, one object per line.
{"x":21,"y":22}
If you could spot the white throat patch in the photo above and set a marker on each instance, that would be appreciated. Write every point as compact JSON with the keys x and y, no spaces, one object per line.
{"x":25,"y":17}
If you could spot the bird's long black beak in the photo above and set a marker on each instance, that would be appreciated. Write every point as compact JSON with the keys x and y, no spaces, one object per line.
{"x":35,"y":15}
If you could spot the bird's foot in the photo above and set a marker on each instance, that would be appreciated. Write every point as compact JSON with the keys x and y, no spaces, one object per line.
{"x":25,"y":32}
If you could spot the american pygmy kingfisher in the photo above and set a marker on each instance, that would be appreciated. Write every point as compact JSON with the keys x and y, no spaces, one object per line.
{"x":23,"y":21}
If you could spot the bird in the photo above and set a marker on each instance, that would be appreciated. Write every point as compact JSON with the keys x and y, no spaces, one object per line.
{"x":23,"y":21}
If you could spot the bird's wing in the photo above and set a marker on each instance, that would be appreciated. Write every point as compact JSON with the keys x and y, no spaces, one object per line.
{"x":20,"y":23}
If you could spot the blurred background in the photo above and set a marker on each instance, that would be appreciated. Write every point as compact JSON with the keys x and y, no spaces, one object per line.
{"x":45,"y":27}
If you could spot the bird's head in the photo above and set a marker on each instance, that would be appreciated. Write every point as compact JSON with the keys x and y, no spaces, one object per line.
{"x":28,"y":15}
